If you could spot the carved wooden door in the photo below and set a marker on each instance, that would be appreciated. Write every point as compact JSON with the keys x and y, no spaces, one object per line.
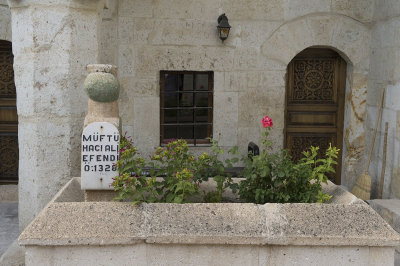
{"x":8,"y":117}
{"x":315,"y":103}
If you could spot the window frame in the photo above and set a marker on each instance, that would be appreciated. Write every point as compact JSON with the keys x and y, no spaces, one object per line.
{"x":192,"y":141}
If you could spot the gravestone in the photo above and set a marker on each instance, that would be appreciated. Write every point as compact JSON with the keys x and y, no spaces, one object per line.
{"x":100,"y":151}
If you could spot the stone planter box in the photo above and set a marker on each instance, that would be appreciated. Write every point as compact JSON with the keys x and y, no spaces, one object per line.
{"x":70,"y":231}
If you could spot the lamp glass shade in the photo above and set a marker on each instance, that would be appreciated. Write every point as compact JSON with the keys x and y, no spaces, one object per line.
{"x":223,"y":27}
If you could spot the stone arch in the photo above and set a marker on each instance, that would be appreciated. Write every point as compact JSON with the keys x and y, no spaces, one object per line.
{"x":350,"y":39}
{"x":341,"y":33}
{"x":5,"y":23}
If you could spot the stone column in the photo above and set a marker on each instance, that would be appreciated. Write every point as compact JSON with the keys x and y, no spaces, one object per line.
{"x":53,"y":41}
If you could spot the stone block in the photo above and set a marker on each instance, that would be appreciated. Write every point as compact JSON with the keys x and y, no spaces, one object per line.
{"x":266,"y":80}
{"x":93,"y":5}
{"x":187,"y":9}
{"x":398,"y":126}
{"x":100,"y":195}
{"x":108,"y":56}
{"x":126,"y":61}
{"x":141,"y":86}
{"x":56,"y":33}
{"x":361,"y":10}
{"x":234,"y":81}
{"x":219,"y":81}
{"x":185,"y":32}
{"x":203,"y":255}
{"x":5,"y":22}
{"x":8,"y":193}
{"x":386,"y":9}
{"x":110,"y":255}
{"x":126,"y":30}
{"x":389,"y":210}
{"x":382,"y":63}
{"x":322,"y":28}
{"x":395,"y":185}
{"x":146,"y":126}
{"x":255,"y":104}
{"x":374,"y":91}
{"x":225,"y":122}
{"x":392,"y":97}
{"x":254,"y":33}
{"x":387,"y":115}
{"x":293,"y":9}
{"x":110,"y":9}
{"x":110,"y":34}
{"x":383,"y":34}
{"x":396,"y":68}
{"x":142,"y":30}
{"x":46,"y":166}
{"x":250,"y":59}
{"x":148,"y":58}
{"x":272,"y":10}
{"x":125,"y":103}
{"x":135,"y":8}
{"x":280,"y":47}
{"x":322,"y":256}
{"x":353,"y":39}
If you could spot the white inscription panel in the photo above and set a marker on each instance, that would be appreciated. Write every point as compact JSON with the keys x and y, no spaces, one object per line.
{"x":100,"y":151}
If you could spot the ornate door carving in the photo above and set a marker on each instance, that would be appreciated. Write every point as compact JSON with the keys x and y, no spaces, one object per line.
{"x":315,"y":103}
{"x":8,"y":117}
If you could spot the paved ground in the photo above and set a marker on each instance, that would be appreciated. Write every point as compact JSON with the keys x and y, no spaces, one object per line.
{"x":8,"y":224}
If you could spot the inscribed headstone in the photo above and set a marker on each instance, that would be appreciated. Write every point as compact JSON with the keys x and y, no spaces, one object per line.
{"x":100,"y":151}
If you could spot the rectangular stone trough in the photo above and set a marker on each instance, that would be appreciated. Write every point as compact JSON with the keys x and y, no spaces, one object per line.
{"x":70,"y":231}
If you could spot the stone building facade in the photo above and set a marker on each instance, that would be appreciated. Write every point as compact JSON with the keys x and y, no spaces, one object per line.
{"x":53,"y":41}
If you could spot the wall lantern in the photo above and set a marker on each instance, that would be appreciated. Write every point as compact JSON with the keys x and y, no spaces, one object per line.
{"x":223,"y":27}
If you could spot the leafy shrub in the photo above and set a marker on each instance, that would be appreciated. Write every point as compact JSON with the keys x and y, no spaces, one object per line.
{"x":181,"y":171}
{"x":276,"y":178}
{"x":269,"y":177}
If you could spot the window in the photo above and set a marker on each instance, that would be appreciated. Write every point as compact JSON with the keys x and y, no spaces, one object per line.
{"x":186,"y":106}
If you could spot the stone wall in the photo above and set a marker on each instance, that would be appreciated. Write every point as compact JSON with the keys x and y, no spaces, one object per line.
{"x":144,"y":37}
{"x":53,"y":41}
{"x":5,"y":21}
{"x":385,"y":75}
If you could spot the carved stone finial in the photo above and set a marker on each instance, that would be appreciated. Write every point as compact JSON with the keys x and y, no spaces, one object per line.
{"x":102,"y":85}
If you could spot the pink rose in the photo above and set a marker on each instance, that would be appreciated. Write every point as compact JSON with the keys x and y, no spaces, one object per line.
{"x":266,"y":122}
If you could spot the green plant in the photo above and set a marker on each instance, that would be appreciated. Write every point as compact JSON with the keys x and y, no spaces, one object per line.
{"x":276,"y":178}
{"x":212,"y":166}
{"x":173,"y":163}
{"x":179,"y":170}
{"x":174,"y":174}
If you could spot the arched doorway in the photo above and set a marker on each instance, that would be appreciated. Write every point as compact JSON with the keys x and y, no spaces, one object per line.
{"x":315,"y":92}
{"x":8,"y":117}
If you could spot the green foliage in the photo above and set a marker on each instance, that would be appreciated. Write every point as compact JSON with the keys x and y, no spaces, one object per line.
{"x":269,"y":177}
{"x":276,"y":178}
{"x":182,"y":173}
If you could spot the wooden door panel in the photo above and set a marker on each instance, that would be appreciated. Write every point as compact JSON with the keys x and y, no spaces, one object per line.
{"x":299,"y":142}
{"x":8,"y":117}
{"x":315,"y":103}
{"x":9,"y":157}
{"x":311,"y":118}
